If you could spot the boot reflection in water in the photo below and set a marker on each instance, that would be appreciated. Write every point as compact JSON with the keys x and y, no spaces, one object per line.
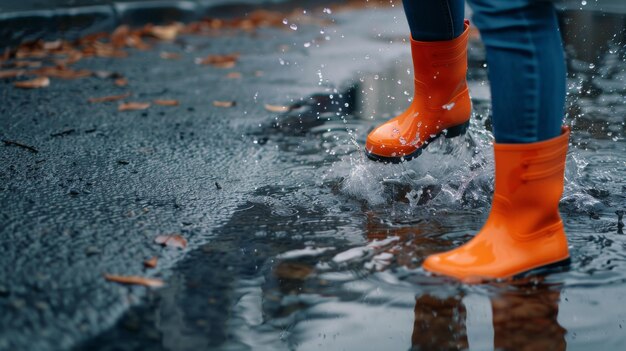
{"x":524,"y":319}
{"x":524,"y":230}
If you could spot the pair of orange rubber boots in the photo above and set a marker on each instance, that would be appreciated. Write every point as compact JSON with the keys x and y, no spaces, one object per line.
{"x":524,"y":230}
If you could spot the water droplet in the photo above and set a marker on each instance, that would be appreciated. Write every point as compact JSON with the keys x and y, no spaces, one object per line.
{"x":293,"y":26}
{"x":327,"y":10}
{"x":285,"y":21}
{"x":583,"y":2}
{"x":307,"y":44}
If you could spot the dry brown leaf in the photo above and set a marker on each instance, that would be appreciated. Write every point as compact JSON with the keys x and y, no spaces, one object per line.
{"x":166,"y":102}
{"x":233,"y":75}
{"x":133,"y":106}
{"x":109,"y":98}
{"x":169,"y":55}
{"x":26,"y":64}
{"x":221,"y":61}
{"x":72,"y":57}
{"x":151,"y":263}
{"x":121,"y":82}
{"x":169,"y":32}
{"x":53,"y":45}
{"x":276,"y":108}
{"x":11,"y":73}
{"x":134,"y":280}
{"x":39,"y":82}
{"x":224,"y":103}
{"x":173,"y":240}
{"x":24,"y":52}
{"x":119,"y":36}
{"x":62,"y":72}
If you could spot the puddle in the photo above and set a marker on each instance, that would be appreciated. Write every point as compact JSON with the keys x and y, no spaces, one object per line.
{"x":329,"y":256}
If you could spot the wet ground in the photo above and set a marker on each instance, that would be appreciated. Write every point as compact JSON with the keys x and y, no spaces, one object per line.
{"x":296,"y":241}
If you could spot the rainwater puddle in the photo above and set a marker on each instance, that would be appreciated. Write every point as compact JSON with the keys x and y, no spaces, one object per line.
{"x":329,"y":256}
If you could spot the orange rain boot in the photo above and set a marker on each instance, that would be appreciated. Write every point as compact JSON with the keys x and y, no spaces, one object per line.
{"x":441,"y":103}
{"x":524,"y":230}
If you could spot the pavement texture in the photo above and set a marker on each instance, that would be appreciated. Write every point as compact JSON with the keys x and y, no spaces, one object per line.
{"x":103,"y":184}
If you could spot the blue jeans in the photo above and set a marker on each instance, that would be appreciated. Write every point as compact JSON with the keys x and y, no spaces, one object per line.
{"x":524,"y":56}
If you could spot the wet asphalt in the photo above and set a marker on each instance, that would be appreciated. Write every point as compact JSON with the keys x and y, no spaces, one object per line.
{"x":99,"y":185}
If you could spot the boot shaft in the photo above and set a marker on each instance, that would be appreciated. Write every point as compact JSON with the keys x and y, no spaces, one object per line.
{"x":440,"y":69}
{"x":529,"y":182}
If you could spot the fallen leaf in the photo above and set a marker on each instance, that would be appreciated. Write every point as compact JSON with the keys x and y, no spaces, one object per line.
{"x":119,"y":36}
{"x":169,"y":55}
{"x":221,"y":61}
{"x":166,"y":102}
{"x":121,"y":82}
{"x":168,"y":32}
{"x":133,"y":106}
{"x":224,"y":103}
{"x":62,"y":72}
{"x":134,"y":280}
{"x":11,"y":73}
{"x":109,"y":98}
{"x":53,"y":45}
{"x":173,"y":240}
{"x":26,"y":64}
{"x":72,"y":57}
{"x":151,"y":263}
{"x":233,"y":75}
{"x":39,"y":82}
{"x":276,"y":108}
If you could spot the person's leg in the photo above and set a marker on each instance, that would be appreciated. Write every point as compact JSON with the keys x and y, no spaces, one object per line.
{"x":441,"y":104}
{"x":526,"y":68}
{"x":435,"y":20}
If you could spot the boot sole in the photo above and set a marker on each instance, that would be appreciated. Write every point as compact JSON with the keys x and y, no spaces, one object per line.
{"x":556,"y":267}
{"x":448,"y":133}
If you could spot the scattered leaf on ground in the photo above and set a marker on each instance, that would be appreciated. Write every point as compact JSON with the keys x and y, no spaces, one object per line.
{"x":221,"y":61}
{"x":224,"y":103}
{"x":62,"y":72}
{"x":119,"y":36}
{"x":39,"y":82}
{"x":173,"y":240}
{"x":169,"y":55}
{"x":151,"y":263}
{"x":276,"y":108}
{"x":233,"y":75}
{"x":109,"y":98}
{"x":133,"y":106}
{"x":26,"y":64}
{"x":134,"y":280}
{"x":168,"y":32}
{"x":121,"y":82}
{"x":53,"y":45}
{"x":11,"y":73}
{"x":166,"y":102}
